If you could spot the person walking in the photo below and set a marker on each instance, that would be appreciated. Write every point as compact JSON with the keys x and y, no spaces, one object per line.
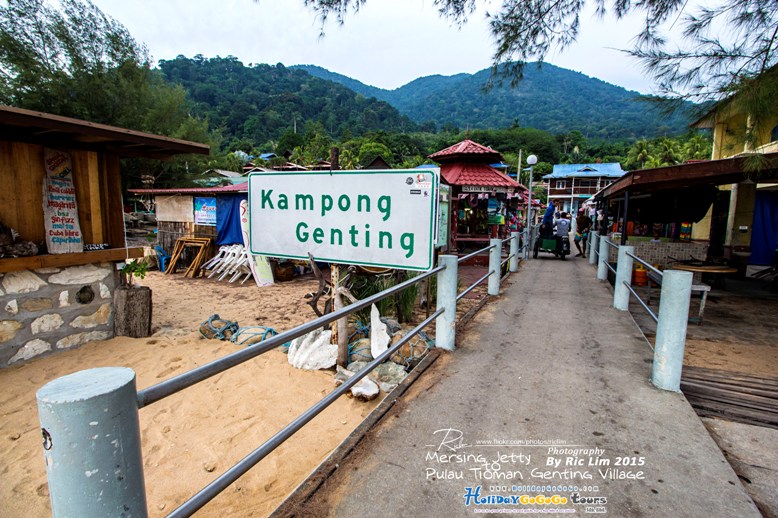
{"x":583,"y":224}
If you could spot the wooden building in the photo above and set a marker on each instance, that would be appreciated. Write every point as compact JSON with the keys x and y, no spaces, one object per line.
{"x":51,"y":301}
{"x":569,"y":185}
{"x":478,"y":192}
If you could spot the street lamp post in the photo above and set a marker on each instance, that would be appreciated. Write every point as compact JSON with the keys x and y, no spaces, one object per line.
{"x":531,"y":161}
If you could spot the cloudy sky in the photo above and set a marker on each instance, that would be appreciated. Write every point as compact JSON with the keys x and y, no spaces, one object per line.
{"x":387,"y":44}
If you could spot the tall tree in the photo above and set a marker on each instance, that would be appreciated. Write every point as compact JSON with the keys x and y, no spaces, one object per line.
{"x":75,"y":61}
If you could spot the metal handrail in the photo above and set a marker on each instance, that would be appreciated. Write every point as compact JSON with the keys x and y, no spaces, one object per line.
{"x":645,"y":306}
{"x":485,"y":249}
{"x":213,"y":489}
{"x":650,"y":267}
{"x":610,"y":243}
{"x":611,"y":268}
{"x":171,"y":386}
{"x":506,"y":260}
{"x":474,"y":285}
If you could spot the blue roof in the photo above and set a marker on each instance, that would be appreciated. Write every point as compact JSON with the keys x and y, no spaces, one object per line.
{"x":612,"y":170}
{"x":267,"y":156}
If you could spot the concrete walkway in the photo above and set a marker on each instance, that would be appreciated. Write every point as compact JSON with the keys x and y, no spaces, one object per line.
{"x":549,"y":386}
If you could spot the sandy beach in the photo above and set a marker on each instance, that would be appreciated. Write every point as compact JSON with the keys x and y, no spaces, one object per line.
{"x":191,"y":437}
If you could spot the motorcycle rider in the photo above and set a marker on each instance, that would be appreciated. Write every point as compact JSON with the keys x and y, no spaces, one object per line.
{"x":561,"y":230}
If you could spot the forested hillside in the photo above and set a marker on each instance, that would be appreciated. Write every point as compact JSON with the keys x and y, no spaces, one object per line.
{"x":260,"y":102}
{"x":549,"y":98}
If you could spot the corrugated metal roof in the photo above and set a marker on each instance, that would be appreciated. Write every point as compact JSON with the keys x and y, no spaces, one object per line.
{"x":241,"y":187}
{"x":612,"y":170}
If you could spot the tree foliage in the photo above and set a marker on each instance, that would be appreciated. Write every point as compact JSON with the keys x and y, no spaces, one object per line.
{"x":548,"y":98}
{"x":75,"y":61}
{"x":263,"y":102}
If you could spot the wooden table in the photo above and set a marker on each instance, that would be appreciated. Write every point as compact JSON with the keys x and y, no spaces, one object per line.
{"x":700,"y":270}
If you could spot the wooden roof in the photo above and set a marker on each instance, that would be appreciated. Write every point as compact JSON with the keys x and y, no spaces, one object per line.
{"x":697,"y":174}
{"x":34,"y":127}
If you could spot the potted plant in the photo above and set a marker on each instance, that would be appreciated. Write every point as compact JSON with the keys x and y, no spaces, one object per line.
{"x":132,"y":302}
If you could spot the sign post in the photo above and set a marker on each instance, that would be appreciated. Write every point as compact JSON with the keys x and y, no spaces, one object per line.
{"x":380,"y":218}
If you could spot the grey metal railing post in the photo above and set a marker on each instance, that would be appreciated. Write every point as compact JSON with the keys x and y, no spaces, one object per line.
{"x":513,"y":266}
{"x":493,"y":288}
{"x":593,"y":242}
{"x":602,"y":265}
{"x":445,"y":324}
{"x":623,"y":274}
{"x":671,"y":329}
{"x":91,"y":443}
{"x":525,"y":250}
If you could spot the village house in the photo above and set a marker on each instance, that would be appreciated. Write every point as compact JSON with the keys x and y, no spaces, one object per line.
{"x":570,"y":185}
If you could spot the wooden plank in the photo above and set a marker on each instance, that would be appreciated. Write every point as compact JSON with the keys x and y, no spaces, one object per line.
{"x":740,"y":400}
{"x":735,"y":389}
{"x":28,"y":186}
{"x":740,"y":384}
{"x":12,"y":264}
{"x":728,"y":377}
{"x":80,"y":162}
{"x":714,"y":409}
{"x":111,"y":199}
{"x":8,"y":214}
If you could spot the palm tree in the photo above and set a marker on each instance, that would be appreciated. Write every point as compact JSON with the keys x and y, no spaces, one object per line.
{"x":639,"y":153}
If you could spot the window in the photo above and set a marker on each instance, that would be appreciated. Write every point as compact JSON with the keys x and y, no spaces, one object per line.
{"x":560,"y":184}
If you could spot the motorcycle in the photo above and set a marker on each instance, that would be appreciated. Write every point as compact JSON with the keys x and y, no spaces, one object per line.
{"x":558,"y":245}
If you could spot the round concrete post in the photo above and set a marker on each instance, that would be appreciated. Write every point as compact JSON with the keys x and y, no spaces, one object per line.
{"x":671,"y":329}
{"x":91,"y":443}
{"x":514,"y":262}
{"x":623,"y":274}
{"x":592,"y":246}
{"x":493,"y":288}
{"x":602,"y":268}
{"x":445,"y":324}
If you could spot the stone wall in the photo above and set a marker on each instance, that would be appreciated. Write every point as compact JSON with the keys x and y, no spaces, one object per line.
{"x":660,"y":253}
{"x":48,"y":309}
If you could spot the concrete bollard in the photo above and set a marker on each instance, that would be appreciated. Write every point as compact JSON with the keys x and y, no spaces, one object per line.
{"x":493,"y":288}
{"x":671,"y":329}
{"x":623,"y":274}
{"x":445,"y":324}
{"x":602,"y":265}
{"x":513,"y":265}
{"x":91,"y":443}
{"x":593,"y":241}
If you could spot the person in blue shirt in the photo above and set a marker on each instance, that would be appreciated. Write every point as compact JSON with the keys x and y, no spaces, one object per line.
{"x":547,"y":223}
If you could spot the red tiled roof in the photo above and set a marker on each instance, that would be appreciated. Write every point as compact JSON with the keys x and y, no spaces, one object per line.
{"x":467,"y":148}
{"x":476,"y":174}
{"x":240,"y":187}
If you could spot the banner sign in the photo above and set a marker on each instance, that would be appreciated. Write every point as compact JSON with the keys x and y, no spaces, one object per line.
{"x":205,"y":211}
{"x":484,"y":188}
{"x":443,"y":210}
{"x":60,"y":212}
{"x":380,"y":218}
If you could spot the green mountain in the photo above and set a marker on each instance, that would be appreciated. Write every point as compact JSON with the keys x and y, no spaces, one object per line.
{"x":548,"y":98}
{"x":262,"y":102}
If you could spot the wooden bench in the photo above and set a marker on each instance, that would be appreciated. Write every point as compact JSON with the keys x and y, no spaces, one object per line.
{"x":702,"y":289}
